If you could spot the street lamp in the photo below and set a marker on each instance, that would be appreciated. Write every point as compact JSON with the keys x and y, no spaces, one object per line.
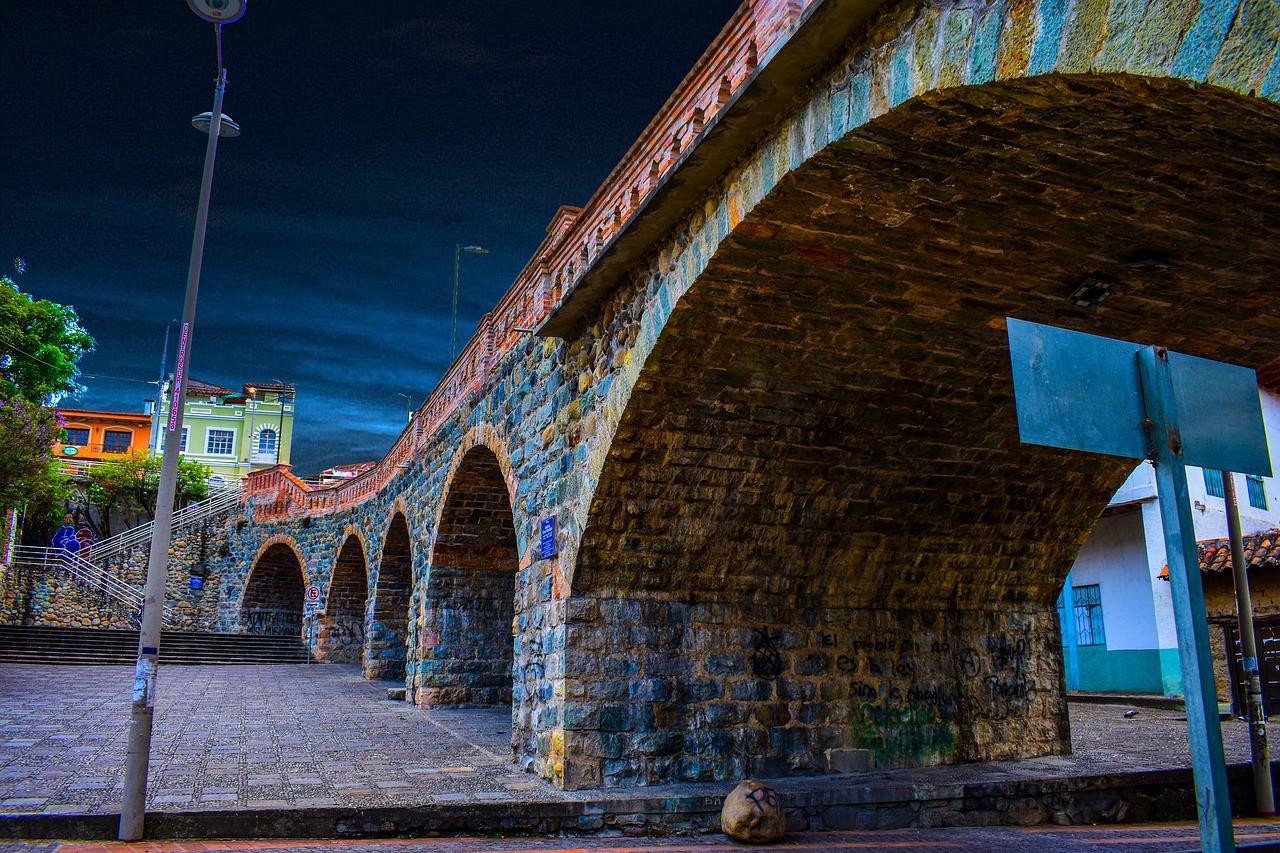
{"x":280,"y":431}
{"x":137,"y":759}
{"x":458,"y":249}
{"x":408,"y":405}
{"x":253,"y":399}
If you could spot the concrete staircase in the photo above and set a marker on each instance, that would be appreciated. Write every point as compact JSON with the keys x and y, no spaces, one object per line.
{"x":86,"y":646}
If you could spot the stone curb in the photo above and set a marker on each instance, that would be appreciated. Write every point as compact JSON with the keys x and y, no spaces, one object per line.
{"x":811,"y":804}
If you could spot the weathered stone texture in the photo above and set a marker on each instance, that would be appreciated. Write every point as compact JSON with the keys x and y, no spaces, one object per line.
{"x":273,"y":595}
{"x":787,"y":440}
{"x":341,"y":636}
{"x":388,"y":623}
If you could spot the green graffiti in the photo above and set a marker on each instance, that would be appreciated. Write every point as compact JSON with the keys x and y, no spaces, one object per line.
{"x":904,"y":732}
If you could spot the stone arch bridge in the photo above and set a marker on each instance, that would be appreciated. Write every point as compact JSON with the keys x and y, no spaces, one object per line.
{"x":767,"y":404}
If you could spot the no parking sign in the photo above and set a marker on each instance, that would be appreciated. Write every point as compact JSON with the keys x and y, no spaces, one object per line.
{"x":313,"y":597}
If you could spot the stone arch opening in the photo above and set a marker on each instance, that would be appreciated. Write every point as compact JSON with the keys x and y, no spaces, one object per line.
{"x":816,"y":542}
{"x":272,"y":602}
{"x":389,"y":621}
{"x":341,"y":634}
{"x":469,"y":604}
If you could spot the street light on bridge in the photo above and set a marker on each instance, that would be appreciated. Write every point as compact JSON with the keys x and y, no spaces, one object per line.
{"x":458,"y":249}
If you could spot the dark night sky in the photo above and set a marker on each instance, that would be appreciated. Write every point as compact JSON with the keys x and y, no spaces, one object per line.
{"x":373,"y":141}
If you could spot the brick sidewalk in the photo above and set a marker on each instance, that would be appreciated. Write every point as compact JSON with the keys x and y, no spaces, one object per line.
{"x":280,"y":737}
{"x":250,"y":736}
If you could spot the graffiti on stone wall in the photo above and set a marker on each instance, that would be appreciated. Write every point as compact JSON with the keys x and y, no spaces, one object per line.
{"x":766,"y":659}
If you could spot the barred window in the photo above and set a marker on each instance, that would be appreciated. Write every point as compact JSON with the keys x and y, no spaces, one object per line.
{"x":1257,"y":491}
{"x":1088,"y":603}
{"x":220,"y":442}
{"x":1213,"y":483}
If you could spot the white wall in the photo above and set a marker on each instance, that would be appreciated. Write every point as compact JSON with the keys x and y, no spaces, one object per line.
{"x":1115,"y":558}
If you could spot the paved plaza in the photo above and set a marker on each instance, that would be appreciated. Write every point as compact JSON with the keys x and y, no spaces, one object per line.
{"x":1163,"y":838}
{"x":268,"y":737}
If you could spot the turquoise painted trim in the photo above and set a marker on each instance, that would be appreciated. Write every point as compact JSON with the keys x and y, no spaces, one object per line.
{"x":1044,"y":58}
{"x":1171,"y":672}
{"x":1120,"y":670}
{"x":1200,"y":47}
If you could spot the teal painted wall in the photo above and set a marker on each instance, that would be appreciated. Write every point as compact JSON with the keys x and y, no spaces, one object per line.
{"x":1171,"y":672}
{"x":1121,"y":670}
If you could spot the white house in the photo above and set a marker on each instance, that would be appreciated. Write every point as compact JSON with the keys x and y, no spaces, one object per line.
{"x":1122,"y":608}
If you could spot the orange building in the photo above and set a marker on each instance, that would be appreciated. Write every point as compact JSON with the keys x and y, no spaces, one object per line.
{"x":98,"y":436}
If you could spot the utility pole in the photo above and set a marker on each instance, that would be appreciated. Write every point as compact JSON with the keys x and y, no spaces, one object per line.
{"x":1263,"y":795}
{"x":458,"y":249}
{"x":138,"y":756}
{"x":155,"y":411}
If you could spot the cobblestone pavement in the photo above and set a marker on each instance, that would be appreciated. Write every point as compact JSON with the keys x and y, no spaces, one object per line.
{"x":298,"y":736}
{"x":250,"y":736}
{"x":1132,"y":839}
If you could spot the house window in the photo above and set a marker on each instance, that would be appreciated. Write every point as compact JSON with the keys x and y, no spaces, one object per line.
{"x":182,"y":445}
{"x":267,"y":442}
{"x":1088,"y":602}
{"x":1213,"y":483}
{"x":220,"y":442}
{"x":116,"y":441}
{"x":1257,"y":491}
{"x":77,"y":436}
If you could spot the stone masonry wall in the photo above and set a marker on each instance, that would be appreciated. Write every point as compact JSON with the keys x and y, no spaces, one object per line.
{"x":47,"y":597}
{"x":803,"y":389}
{"x":341,"y":635}
{"x":388,"y":625}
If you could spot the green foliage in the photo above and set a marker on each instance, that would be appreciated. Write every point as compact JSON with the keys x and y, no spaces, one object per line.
{"x":131,"y":483}
{"x":51,"y":492}
{"x":27,"y":434}
{"x":41,"y":343}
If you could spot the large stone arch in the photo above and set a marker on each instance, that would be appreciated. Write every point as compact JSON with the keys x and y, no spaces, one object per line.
{"x":810,"y":538}
{"x":388,"y":625}
{"x":341,"y":635}
{"x":272,"y":601}
{"x":466,"y":644}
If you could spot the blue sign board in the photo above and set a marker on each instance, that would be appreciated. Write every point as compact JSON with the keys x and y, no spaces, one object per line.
{"x":197,"y":583}
{"x":548,"y":537}
{"x":1084,"y":392}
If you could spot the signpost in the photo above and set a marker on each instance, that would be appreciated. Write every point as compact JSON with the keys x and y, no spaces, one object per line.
{"x":1084,"y":392}
{"x":312,"y":605}
{"x":547,"y":538}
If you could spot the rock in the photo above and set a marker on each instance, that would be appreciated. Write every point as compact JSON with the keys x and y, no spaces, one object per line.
{"x":753,"y":814}
{"x":395,"y":694}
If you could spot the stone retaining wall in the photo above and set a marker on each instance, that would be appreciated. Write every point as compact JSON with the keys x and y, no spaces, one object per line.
{"x":49,"y":597}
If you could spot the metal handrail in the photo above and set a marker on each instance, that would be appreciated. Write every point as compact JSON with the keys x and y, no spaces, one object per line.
{"x":219,"y":501}
{"x":85,"y":573}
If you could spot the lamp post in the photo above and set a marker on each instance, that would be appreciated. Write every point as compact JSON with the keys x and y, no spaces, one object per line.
{"x":458,"y":249}
{"x":280,"y":429}
{"x":214,"y":124}
{"x":248,"y":454}
{"x":408,"y":405}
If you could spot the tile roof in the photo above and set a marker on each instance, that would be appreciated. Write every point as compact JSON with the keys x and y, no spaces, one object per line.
{"x":1261,"y":551}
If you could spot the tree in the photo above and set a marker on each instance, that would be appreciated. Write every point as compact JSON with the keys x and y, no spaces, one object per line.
{"x":27,"y":434}
{"x":131,"y":484}
{"x":41,"y":343}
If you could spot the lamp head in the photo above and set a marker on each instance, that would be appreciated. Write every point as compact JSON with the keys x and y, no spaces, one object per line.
{"x":218,"y":11}
{"x":227,"y":128}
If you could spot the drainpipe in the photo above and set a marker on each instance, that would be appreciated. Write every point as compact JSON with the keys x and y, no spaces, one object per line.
{"x":1263,"y":795}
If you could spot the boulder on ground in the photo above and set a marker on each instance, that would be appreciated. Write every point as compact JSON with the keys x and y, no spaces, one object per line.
{"x":753,"y":814}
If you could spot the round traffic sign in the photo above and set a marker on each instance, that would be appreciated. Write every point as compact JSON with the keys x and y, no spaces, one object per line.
{"x":313,"y":593}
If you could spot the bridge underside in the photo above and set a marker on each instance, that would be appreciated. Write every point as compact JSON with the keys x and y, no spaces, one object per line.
{"x":816,"y":542}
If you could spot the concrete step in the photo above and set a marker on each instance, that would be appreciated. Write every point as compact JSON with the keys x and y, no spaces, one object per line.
{"x":88,"y":646}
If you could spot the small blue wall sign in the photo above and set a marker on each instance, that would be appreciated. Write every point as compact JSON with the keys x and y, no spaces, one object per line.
{"x":548,"y":537}
{"x":197,"y":583}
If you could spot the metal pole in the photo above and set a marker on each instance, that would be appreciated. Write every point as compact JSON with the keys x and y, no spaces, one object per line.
{"x":133,"y":807}
{"x":1263,"y":796}
{"x":248,"y":456}
{"x":280,"y":430}
{"x":1070,"y":644}
{"x":1203,"y":732}
{"x":453,"y":333}
{"x":155,"y":412}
